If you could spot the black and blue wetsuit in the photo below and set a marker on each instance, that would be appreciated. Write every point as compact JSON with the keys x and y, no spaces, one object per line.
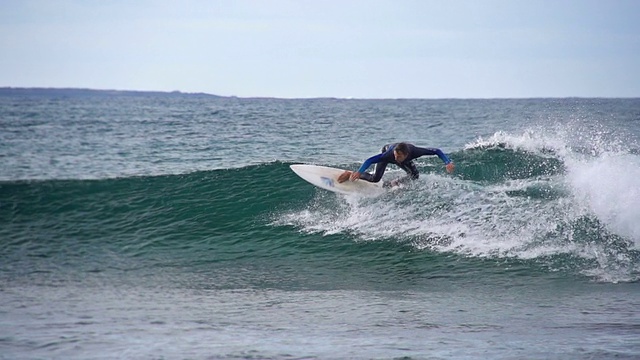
{"x":386,"y":157}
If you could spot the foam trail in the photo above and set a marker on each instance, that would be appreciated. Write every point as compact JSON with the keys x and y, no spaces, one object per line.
{"x":587,"y":207}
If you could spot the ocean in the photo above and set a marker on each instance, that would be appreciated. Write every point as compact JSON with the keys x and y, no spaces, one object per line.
{"x":169,"y":226}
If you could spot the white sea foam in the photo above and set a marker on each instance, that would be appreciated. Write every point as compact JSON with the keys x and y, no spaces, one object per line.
{"x":600,"y":181}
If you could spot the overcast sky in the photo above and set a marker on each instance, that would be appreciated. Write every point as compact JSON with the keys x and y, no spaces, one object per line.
{"x":326,"y":48}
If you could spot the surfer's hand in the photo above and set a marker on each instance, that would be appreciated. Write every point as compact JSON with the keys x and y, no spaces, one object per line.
{"x":450,"y":167}
{"x":355,"y":176}
{"x":344,"y":176}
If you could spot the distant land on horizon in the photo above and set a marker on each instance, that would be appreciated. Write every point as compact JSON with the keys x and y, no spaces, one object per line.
{"x":86,"y":92}
{"x":40,"y":91}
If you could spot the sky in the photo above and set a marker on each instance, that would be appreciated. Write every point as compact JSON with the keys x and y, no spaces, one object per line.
{"x":326,"y":48}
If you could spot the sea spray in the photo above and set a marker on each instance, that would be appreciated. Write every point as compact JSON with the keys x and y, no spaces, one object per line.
{"x":546,"y":203}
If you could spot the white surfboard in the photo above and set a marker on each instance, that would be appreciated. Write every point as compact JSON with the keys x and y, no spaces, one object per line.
{"x":327,"y":178}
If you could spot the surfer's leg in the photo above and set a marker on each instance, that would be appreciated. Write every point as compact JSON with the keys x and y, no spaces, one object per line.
{"x":380,"y":167}
{"x":379,"y":170}
{"x":411,"y":169}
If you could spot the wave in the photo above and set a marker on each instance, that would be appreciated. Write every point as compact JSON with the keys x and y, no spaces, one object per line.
{"x":540,"y":197}
{"x":524,"y":199}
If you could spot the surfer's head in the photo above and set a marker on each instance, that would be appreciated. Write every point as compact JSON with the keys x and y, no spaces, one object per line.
{"x":400,"y":152}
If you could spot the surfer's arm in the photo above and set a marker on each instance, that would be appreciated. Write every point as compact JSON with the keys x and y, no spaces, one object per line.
{"x":355,"y":175}
{"x":433,"y":151}
{"x":372,"y":160}
{"x":361,"y":171}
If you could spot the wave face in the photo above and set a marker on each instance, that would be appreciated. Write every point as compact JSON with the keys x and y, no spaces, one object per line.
{"x":513,"y":199}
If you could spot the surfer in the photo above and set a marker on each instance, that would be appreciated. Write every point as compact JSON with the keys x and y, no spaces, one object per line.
{"x":401,"y":154}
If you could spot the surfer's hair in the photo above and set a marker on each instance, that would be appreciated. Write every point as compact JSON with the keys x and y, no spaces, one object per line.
{"x":402,"y":148}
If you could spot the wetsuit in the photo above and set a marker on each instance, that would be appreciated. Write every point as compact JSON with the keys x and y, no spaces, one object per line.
{"x":386,"y":157}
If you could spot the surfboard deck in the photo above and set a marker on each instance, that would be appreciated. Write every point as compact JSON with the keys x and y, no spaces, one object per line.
{"x":327,"y":178}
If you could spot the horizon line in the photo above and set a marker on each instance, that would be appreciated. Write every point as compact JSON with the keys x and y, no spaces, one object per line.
{"x":202,"y":93}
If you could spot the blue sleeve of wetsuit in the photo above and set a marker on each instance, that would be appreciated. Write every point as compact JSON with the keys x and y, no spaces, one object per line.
{"x":372,"y":160}
{"x":432,"y":151}
{"x":443,"y":156}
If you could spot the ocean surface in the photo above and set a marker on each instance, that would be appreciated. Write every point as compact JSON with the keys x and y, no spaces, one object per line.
{"x":170,"y":226}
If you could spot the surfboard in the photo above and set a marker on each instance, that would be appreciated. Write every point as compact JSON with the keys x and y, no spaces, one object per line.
{"x":327,"y":178}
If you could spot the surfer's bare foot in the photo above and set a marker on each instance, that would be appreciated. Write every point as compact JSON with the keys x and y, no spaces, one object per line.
{"x":344,"y":176}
